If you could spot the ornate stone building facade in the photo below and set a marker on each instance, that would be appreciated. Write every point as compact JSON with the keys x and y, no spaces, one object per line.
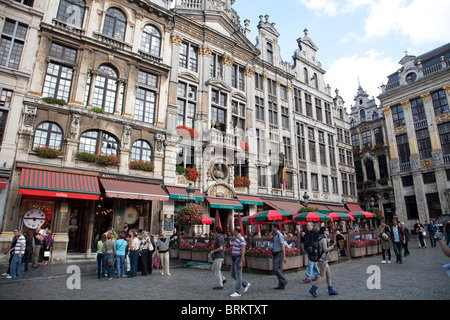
{"x":416,"y":111}
{"x":178,"y":84}
{"x":371,"y":155}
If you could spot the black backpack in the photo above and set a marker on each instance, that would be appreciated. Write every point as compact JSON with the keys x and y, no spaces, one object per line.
{"x":314,"y":252}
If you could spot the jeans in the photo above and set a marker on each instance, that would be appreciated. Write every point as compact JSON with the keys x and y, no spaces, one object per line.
{"x":405,"y":247}
{"x":100,"y":265}
{"x":278,"y":269}
{"x":432,"y":239}
{"x":37,"y":251}
{"x":388,"y":253}
{"x":120,"y":265}
{"x":398,"y":247}
{"x":108,"y":268}
{"x":236,"y":274}
{"x":312,"y":267}
{"x":216,"y":269}
{"x":16,"y":266}
{"x":134,"y":261}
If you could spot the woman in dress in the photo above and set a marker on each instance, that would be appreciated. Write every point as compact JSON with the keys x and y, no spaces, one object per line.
{"x":48,"y":244}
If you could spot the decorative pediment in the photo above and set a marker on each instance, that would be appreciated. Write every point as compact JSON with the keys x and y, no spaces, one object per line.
{"x":239,"y":96}
{"x":219,"y":83}
{"x":188,"y":77}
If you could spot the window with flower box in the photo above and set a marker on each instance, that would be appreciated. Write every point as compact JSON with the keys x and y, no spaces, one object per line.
{"x":48,"y":134}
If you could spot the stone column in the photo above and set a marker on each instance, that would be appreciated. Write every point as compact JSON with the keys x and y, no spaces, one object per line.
{"x":60,"y":230}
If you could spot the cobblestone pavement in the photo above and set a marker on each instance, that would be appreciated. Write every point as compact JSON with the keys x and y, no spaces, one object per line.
{"x":421,"y":276}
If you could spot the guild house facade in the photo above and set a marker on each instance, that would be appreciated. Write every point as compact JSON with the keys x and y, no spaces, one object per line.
{"x":128,"y":103}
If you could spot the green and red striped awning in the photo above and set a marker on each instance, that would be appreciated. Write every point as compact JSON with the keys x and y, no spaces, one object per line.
{"x":133,"y":190}
{"x":3,"y":183}
{"x":250,"y":200}
{"x":220,"y":203}
{"x":57,"y":184}
{"x":181,"y":194}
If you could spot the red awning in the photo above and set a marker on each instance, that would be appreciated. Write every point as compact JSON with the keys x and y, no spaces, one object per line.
{"x":335,"y":208}
{"x":3,"y":183}
{"x":250,"y":200}
{"x":57,"y":184}
{"x":221,"y":203}
{"x":133,"y":190}
{"x":288,"y":206}
{"x":353,"y":207}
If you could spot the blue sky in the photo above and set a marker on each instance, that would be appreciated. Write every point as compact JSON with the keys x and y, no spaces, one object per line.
{"x":362,"y":39}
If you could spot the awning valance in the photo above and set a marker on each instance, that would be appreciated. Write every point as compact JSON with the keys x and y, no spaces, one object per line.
{"x":353,"y":207}
{"x":288,"y":206}
{"x":220,"y":203}
{"x":57,"y":184}
{"x":250,"y":200}
{"x":3,"y":183}
{"x":181,"y":194}
{"x":133,"y":190}
{"x":336,"y":208}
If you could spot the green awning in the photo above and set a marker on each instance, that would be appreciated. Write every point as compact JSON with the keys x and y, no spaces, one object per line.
{"x":250,"y":200}
{"x":220,"y":203}
{"x":177,"y":193}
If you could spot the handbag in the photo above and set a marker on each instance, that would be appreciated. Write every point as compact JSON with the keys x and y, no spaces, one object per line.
{"x":46,"y":254}
{"x":157,"y":263}
{"x":424,"y":233}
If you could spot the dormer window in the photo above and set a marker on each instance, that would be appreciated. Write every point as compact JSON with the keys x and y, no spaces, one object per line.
{"x":269,"y":53}
{"x":411,"y":77}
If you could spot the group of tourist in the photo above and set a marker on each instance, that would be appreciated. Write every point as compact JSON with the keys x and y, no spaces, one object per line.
{"x":124,"y":254}
{"x":31,"y":246}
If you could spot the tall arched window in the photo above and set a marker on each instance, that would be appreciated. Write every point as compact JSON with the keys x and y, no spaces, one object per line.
{"x":115,"y":24}
{"x":98,"y":142}
{"x":306,"y":76}
{"x":141,"y":150}
{"x":48,"y":134}
{"x":362,"y":115}
{"x":151,"y":41}
{"x":105,"y":89}
{"x":315,"y":81}
{"x":72,"y":12}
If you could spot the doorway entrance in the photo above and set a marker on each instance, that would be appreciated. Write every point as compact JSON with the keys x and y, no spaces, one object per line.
{"x":103,"y":219}
{"x":78,"y":226}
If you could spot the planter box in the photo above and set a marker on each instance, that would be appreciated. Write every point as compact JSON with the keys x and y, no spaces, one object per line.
{"x":185,"y":255}
{"x":371,"y":250}
{"x":174,"y":253}
{"x":379,"y":250}
{"x":358,"y":252}
{"x":200,"y":256}
{"x":333,"y":256}
{"x":293,"y":263}
{"x":259,"y":263}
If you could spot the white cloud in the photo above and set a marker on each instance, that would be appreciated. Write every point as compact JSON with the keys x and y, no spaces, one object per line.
{"x":334,"y":7}
{"x":372,"y":69}
{"x":419,"y":20}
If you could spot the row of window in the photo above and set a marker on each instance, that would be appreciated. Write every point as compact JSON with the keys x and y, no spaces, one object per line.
{"x":427,"y":177}
{"x":97,"y":142}
{"x":348,"y":183}
{"x":440,"y":105}
{"x":366,"y":138}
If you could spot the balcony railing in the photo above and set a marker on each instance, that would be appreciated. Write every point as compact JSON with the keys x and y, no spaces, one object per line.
{"x":190,"y":4}
{"x":405,"y":166}
{"x":68,"y":27}
{"x":446,"y":158}
{"x":117,"y":44}
{"x":220,"y":139}
{"x":421,"y":124}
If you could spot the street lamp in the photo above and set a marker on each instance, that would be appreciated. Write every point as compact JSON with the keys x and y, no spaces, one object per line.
{"x":306,"y":197}
{"x":190,"y":191}
{"x":372,"y":202}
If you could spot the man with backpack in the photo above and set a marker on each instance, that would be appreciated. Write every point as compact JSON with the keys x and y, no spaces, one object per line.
{"x":309,"y":239}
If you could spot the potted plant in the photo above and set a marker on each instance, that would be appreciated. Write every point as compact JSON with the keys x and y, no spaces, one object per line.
{"x":383,"y":181}
{"x":48,"y":152}
{"x":189,"y":215}
{"x":294,"y":259}
{"x":107,"y":160}
{"x":52,"y":100}
{"x":259,"y":258}
{"x":86,"y":156}
{"x":358,"y":248}
{"x":200,"y":252}
{"x":142,"y":165}
{"x":241,"y":182}
{"x":185,"y":251}
{"x":372,"y":247}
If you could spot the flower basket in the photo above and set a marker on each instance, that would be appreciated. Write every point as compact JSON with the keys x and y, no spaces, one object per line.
{"x":190,"y":214}
{"x":142,"y":165}
{"x":188,"y":133}
{"x":48,"y":152}
{"x":110,"y":160}
{"x":358,"y":248}
{"x":245,"y":146}
{"x":241,"y":182}
{"x":192,"y":174}
{"x":383,"y":181}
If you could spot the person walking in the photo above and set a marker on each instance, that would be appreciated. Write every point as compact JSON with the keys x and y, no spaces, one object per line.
{"x":311,"y":235}
{"x":432,"y":228}
{"x":323,"y":263}
{"x":100,"y":262}
{"x":385,"y":239}
{"x":121,"y":245}
{"x":237,"y":257}
{"x":144,"y":251}
{"x":19,"y":251}
{"x":407,"y":237}
{"x":398,"y":239}
{"x":419,"y":230}
{"x":217,"y":255}
{"x":38,"y":240}
{"x":48,"y":244}
{"x":162,"y":252}
{"x":151,"y":252}
{"x":29,"y":249}
{"x":279,"y":256}
{"x":10,"y":251}
{"x":134,"y":253}
{"x":109,"y":250}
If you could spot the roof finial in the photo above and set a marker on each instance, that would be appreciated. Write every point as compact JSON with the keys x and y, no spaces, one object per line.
{"x":406,"y":52}
{"x":306,"y":32}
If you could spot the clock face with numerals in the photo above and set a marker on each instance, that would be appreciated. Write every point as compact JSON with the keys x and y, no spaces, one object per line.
{"x":34,"y":218}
